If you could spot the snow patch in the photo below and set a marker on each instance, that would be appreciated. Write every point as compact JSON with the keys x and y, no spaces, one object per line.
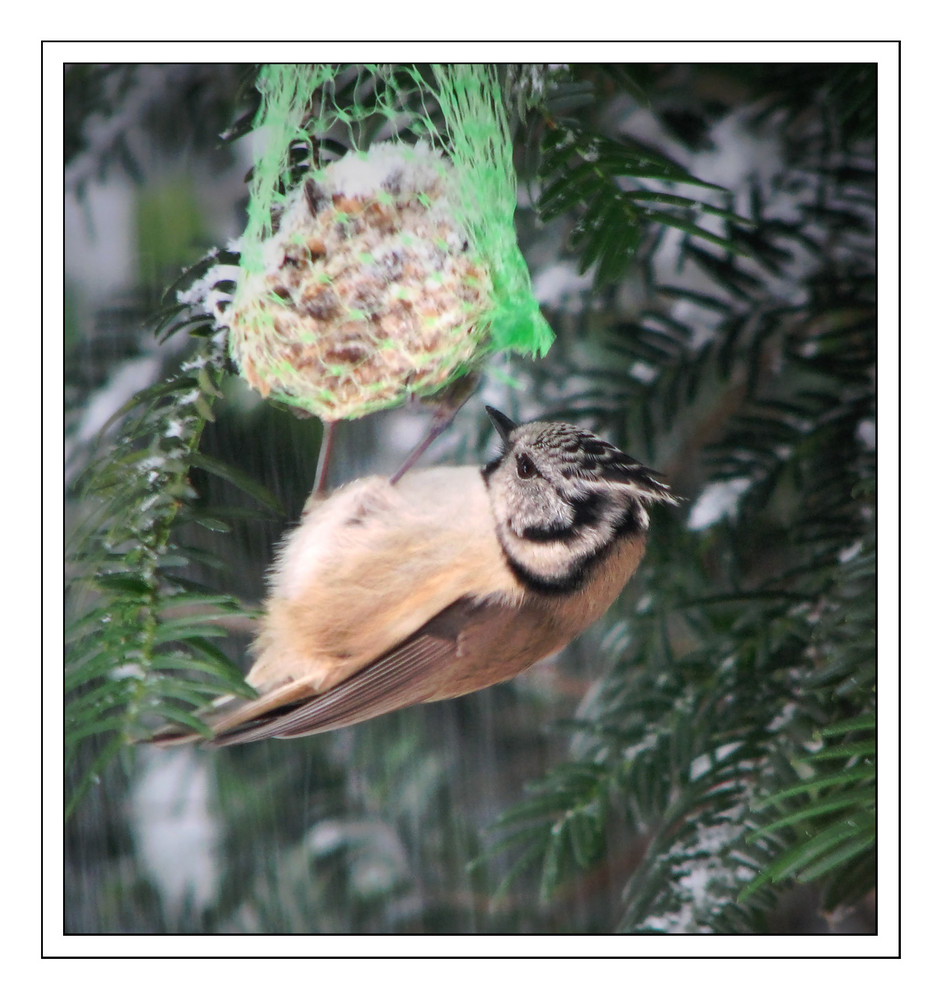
{"x":717,"y":501}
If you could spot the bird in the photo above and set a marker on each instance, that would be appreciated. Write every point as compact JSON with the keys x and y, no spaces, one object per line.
{"x":446,"y":581}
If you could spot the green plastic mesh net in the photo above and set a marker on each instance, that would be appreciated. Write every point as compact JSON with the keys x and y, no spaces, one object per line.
{"x":380,"y":259}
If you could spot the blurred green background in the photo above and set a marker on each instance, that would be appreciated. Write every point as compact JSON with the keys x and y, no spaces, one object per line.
{"x":701,"y":760}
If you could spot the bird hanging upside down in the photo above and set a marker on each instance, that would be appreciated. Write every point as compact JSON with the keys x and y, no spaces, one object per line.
{"x":453,"y":579}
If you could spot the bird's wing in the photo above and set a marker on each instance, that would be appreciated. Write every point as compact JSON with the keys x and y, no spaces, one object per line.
{"x":405,"y":676}
{"x":396,"y":681}
{"x":450,"y":655}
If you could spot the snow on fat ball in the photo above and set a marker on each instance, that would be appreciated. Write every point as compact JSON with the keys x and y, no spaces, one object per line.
{"x":369,"y":290}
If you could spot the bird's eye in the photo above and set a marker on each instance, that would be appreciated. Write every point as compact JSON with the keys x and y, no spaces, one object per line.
{"x":525,"y":468}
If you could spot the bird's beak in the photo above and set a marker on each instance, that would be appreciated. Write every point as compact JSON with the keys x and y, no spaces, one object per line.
{"x":503,"y":425}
